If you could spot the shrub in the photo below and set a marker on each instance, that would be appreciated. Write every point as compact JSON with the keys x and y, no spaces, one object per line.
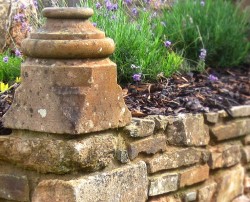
{"x":215,"y":25}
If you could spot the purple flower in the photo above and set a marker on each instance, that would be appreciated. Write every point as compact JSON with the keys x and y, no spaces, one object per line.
{"x":202,"y":3}
{"x":203,"y":54}
{"x":134,"y":11}
{"x":23,"y":26}
{"x":18,"y":53}
{"x":19,"y":17}
{"x":109,"y":5}
{"x":94,"y":24}
{"x":136,"y":77}
{"x":98,"y":5}
{"x":29,"y":29}
{"x":128,"y":2}
{"x":114,"y":7}
{"x":147,"y":1}
{"x":23,"y":7}
{"x":113,"y":17}
{"x":212,"y":78}
{"x":167,"y":44}
{"x":6,"y":59}
{"x":35,"y":3}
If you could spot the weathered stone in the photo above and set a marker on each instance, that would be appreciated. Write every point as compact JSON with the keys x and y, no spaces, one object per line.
{"x":190,"y":196}
{"x":222,"y":114}
{"x":174,"y":159}
{"x":225,"y":155}
{"x":211,"y":117}
{"x":122,"y":156}
{"x":247,"y":184}
{"x":14,"y":187}
{"x":140,"y":128}
{"x":194,"y":175}
{"x":187,"y":129}
{"x":246,"y":154}
{"x":229,"y":183}
{"x":161,"y":122}
{"x":15,"y":22}
{"x":149,"y":145}
{"x":231,"y":129}
{"x":164,"y":198}
{"x":240,"y":111}
{"x":242,"y":198}
{"x":128,"y":183}
{"x":206,"y":193}
{"x":74,"y":90}
{"x":163,"y":184}
{"x":49,"y":155}
{"x":247,"y":140}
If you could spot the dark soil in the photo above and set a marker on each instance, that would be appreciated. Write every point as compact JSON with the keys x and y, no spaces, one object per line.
{"x":182,"y":93}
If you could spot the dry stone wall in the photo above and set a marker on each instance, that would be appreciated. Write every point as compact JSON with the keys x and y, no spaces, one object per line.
{"x":202,"y":157}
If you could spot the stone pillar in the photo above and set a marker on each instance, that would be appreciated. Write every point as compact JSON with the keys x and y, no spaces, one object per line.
{"x":69,"y":85}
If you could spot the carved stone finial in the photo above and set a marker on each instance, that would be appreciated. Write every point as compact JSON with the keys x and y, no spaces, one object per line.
{"x":68,"y":83}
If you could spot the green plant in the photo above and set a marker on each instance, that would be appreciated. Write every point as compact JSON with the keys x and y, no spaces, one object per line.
{"x":215,"y":25}
{"x":9,"y":67}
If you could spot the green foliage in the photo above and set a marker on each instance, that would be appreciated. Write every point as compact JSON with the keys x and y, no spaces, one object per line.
{"x":217,"y":26}
{"x":9,"y":70}
{"x":136,"y":42}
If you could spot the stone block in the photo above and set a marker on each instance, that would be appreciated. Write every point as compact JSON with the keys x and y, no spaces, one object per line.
{"x":163,"y":184}
{"x":174,"y":159}
{"x":206,"y":193}
{"x":241,"y":198}
{"x":163,"y":198}
{"x":225,"y":155}
{"x":149,"y":145}
{"x":140,"y":127}
{"x":14,"y":187}
{"x":194,"y":175}
{"x":247,"y":140}
{"x":122,"y":156}
{"x":229,"y":183}
{"x":246,"y":154}
{"x":190,"y":196}
{"x":46,"y":154}
{"x":247,"y":184}
{"x":232,"y":129}
{"x":161,"y":121}
{"x":240,"y":111}
{"x":188,"y":130}
{"x":211,"y":117}
{"x":128,"y":183}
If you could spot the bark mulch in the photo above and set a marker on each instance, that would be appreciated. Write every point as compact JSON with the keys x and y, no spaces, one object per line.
{"x":182,"y":93}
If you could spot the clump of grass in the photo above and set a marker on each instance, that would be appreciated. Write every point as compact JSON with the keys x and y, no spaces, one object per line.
{"x":217,"y":26}
{"x":137,"y":45}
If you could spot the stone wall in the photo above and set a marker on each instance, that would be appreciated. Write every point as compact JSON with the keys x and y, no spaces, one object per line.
{"x":157,"y":158}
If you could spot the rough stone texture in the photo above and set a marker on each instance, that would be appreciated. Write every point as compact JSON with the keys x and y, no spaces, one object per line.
{"x":14,"y":30}
{"x":247,"y":184}
{"x":14,"y":187}
{"x":48,"y":155}
{"x":190,"y":196}
{"x":229,"y":183}
{"x":206,"y":193}
{"x":231,"y":129}
{"x":224,"y":155}
{"x":122,"y":156}
{"x":187,"y":129}
{"x":165,"y":199}
{"x":194,"y":175}
{"x":246,"y":154}
{"x":161,"y":121}
{"x":149,"y":145}
{"x":74,"y":96}
{"x":128,"y":183}
{"x":242,"y":198}
{"x":211,"y":117}
{"x":140,"y":128}
{"x":174,"y":159}
{"x":247,"y":140}
{"x":240,"y":111}
{"x":163,"y":184}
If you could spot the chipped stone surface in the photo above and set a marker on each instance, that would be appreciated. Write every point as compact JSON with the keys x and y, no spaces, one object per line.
{"x":140,"y":127}
{"x":164,"y":198}
{"x":246,"y":154}
{"x":48,"y":155}
{"x":149,"y":145}
{"x":127,"y":183}
{"x":188,"y":130}
{"x":206,"y":193}
{"x":163,"y":184}
{"x":240,"y":111}
{"x":122,"y":156}
{"x":247,"y":184}
{"x":242,"y":198}
{"x":247,"y":140}
{"x":194,"y":175}
{"x":161,"y":121}
{"x":231,"y":129}
{"x":225,"y":155}
{"x":211,"y":117}
{"x":229,"y":183}
{"x":14,"y":187}
{"x":190,"y":196}
{"x":174,"y":159}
